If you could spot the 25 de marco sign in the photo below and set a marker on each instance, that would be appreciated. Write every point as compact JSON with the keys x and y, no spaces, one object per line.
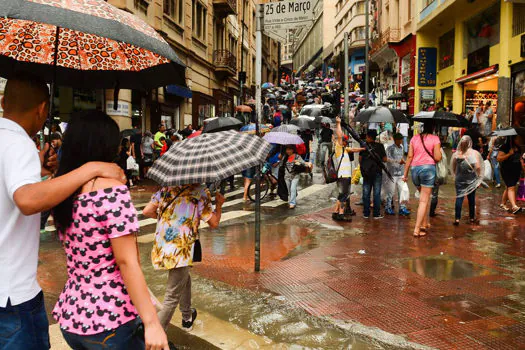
{"x":287,"y":14}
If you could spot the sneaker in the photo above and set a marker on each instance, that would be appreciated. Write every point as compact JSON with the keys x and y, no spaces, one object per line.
{"x":389,"y":211}
{"x":404,"y":212}
{"x":498,"y":185}
{"x":378,"y":217}
{"x":365,"y":217}
{"x":188,"y":325}
{"x":292,"y":206}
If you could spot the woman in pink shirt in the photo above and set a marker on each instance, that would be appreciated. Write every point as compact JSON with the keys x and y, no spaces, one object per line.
{"x":424,"y":152}
{"x":106,"y":292}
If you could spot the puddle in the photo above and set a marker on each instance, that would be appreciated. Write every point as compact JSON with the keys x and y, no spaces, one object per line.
{"x":445,"y":268}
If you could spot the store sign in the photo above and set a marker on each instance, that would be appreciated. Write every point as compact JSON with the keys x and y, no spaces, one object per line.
{"x":522,"y":51}
{"x":427,"y":66}
{"x":288,"y":14}
{"x":122,"y":108}
{"x":427,"y":95}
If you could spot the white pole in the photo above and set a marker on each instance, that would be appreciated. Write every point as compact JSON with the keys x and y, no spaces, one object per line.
{"x":346,"y":106}
{"x":367,"y":43}
{"x":258,"y":108}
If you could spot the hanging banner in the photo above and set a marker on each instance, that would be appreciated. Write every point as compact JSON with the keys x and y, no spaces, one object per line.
{"x":288,"y":14}
{"x":427,"y":66}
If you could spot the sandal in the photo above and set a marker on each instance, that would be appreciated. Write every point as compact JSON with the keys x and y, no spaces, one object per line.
{"x":516,"y":210}
{"x":504,"y":207}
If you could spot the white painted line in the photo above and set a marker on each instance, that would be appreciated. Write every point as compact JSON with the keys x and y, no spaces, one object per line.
{"x":302,"y":193}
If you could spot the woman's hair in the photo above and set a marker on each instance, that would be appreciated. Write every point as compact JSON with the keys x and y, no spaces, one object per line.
{"x":90,"y":136}
{"x":464,"y":144}
{"x":429,"y":127}
{"x":124,"y":143}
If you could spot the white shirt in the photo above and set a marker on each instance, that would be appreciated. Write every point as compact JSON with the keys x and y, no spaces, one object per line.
{"x":19,"y":234}
{"x":403,"y":129}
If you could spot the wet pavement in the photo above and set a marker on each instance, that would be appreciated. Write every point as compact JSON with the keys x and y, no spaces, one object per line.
{"x":366,"y":284}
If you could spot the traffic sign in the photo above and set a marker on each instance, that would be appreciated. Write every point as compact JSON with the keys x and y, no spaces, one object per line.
{"x":288,"y":14}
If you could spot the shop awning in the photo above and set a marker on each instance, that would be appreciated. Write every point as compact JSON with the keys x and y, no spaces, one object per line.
{"x":179,"y":91}
{"x":479,"y":74}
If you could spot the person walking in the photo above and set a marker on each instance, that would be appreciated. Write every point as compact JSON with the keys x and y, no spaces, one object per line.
{"x":467,"y":166}
{"x":25,"y":104}
{"x":105,"y":299}
{"x":291,"y":176}
{"x":396,"y":166}
{"x":424,"y":152}
{"x":158,"y":144}
{"x":343,"y":158}
{"x":488,"y":116}
{"x":123,"y":154}
{"x":494,"y":145}
{"x":147,"y":152}
{"x":326,"y":142}
{"x":510,"y":158}
{"x":179,"y":211}
{"x":372,"y":174}
{"x":136,"y":149}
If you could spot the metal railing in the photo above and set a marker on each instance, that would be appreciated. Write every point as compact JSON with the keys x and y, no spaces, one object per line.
{"x":224,"y":59}
{"x":388,"y":36}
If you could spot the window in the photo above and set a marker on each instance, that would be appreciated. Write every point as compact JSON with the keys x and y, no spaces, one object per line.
{"x":174,"y":9}
{"x":359,"y":8}
{"x":199,"y":20}
{"x":409,"y":9}
{"x":446,"y":49}
{"x":426,"y":3}
{"x":253,"y":69}
{"x":518,"y":19}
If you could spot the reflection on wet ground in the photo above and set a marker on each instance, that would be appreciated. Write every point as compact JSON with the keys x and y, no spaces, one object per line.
{"x":444,"y":269}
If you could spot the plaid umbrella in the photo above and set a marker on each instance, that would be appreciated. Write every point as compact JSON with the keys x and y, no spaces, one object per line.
{"x":84,"y":43}
{"x":283,"y":138}
{"x":208,"y":158}
{"x":289,"y":128}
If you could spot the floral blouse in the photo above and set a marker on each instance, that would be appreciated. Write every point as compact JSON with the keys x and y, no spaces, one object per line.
{"x":95,"y":299}
{"x":177,"y":228}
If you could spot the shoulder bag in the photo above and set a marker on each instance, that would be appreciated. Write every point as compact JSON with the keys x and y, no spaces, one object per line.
{"x":441,"y":166}
{"x":330,"y":172}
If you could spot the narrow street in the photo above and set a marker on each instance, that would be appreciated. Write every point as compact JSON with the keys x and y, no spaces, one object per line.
{"x":366,"y":284}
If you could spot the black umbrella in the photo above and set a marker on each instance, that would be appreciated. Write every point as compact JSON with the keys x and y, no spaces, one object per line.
{"x":381,"y":115}
{"x":397,"y":96}
{"x":441,"y":118}
{"x":222,"y":124}
{"x":303,"y":123}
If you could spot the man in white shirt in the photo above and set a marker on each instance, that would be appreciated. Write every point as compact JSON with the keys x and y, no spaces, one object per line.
{"x":23,"y":319}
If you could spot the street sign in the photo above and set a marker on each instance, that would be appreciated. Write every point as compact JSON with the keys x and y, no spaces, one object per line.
{"x":288,"y":14}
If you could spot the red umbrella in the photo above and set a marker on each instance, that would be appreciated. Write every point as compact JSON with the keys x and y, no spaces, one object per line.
{"x":195,"y":134}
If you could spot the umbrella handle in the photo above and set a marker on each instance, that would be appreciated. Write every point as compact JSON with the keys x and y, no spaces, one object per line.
{"x":51,"y":95}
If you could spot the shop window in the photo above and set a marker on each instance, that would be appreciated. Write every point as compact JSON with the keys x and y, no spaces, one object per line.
{"x":518,"y":19}
{"x":174,"y":9}
{"x":199,"y":20}
{"x":446,"y":50}
{"x":482,"y":30}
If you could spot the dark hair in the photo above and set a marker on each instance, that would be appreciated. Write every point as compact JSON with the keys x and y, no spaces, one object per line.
{"x":90,"y":136}
{"x":292,"y":147}
{"x":55,"y":136}
{"x":24,"y":91}
{"x":124,"y":142}
{"x":428,"y":127}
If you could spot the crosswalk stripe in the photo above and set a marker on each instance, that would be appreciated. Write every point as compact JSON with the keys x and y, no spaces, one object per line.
{"x":302,"y":193}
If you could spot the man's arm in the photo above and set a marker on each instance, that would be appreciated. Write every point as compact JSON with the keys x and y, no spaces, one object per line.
{"x":42,"y":196}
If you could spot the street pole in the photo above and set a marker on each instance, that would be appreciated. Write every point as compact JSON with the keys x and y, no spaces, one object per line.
{"x":345,"y":47}
{"x":258,"y":108}
{"x":242,"y":76}
{"x":367,"y":39}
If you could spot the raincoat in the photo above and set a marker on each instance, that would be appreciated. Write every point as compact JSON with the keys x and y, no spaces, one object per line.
{"x":468,"y":167}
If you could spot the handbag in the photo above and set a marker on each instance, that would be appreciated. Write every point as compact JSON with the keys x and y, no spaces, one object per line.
{"x":330,"y":173}
{"x":487,"y":173}
{"x":441,"y":166}
{"x":131,"y":164}
{"x":520,"y":195}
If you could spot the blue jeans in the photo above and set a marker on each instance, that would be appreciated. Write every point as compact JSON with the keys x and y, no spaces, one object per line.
{"x":471,"y":205}
{"x":291,"y":183}
{"x":368,"y":184}
{"x":25,"y":326}
{"x":123,"y":337}
{"x":495,"y":167}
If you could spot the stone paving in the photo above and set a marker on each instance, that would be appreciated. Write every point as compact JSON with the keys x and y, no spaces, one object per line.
{"x":458,"y":288}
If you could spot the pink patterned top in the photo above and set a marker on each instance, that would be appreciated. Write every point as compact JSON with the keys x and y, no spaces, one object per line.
{"x":95,"y":298}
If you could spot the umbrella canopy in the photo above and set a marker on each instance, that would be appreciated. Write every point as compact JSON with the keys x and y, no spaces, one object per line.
{"x":381,"y":115}
{"x":243,"y":108}
{"x":195,"y":134}
{"x":222,"y":124}
{"x":250,"y":129}
{"x":98,"y":45}
{"x":127,"y":133}
{"x":251,"y":102}
{"x":208,"y":158}
{"x":270,"y":96}
{"x":283,"y":138}
{"x":283,"y":107}
{"x":322,"y":120}
{"x":439,"y":117}
{"x":511,"y":131}
{"x":267,"y":85}
{"x":289,"y":128}
{"x":304,"y":123}
{"x":397,"y":96}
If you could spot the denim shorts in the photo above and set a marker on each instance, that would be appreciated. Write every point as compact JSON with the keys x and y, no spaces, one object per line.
{"x":424,"y":175}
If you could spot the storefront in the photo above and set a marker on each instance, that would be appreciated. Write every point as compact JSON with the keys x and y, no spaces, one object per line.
{"x":518,"y":95}
{"x":480,"y":86}
{"x":203,"y":107}
{"x":223,"y":103}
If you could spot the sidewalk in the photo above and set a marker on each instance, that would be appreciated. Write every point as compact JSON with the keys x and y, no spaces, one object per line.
{"x":460,"y":287}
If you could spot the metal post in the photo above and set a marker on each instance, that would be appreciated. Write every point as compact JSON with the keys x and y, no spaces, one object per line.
{"x":345,"y":47}
{"x":241,"y":82}
{"x":367,"y":42}
{"x":258,"y":108}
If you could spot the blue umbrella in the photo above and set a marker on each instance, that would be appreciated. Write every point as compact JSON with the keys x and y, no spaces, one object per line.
{"x":267,"y":86}
{"x":283,"y":138}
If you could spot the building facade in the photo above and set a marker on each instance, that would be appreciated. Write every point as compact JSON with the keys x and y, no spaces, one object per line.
{"x":472,"y":52}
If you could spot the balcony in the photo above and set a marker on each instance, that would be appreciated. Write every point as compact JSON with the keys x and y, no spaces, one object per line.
{"x":388,"y":36}
{"x":224,"y":8}
{"x":225,"y":63}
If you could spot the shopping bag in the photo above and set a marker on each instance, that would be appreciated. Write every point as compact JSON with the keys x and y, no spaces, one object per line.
{"x":487,"y":172}
{"x":442,"y":169}
{"x":131,"y":164}
{"x":282,"y":189}
{"x":520,"y":196}
{"x":404,"y":193}
{"x":356,"y":176}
